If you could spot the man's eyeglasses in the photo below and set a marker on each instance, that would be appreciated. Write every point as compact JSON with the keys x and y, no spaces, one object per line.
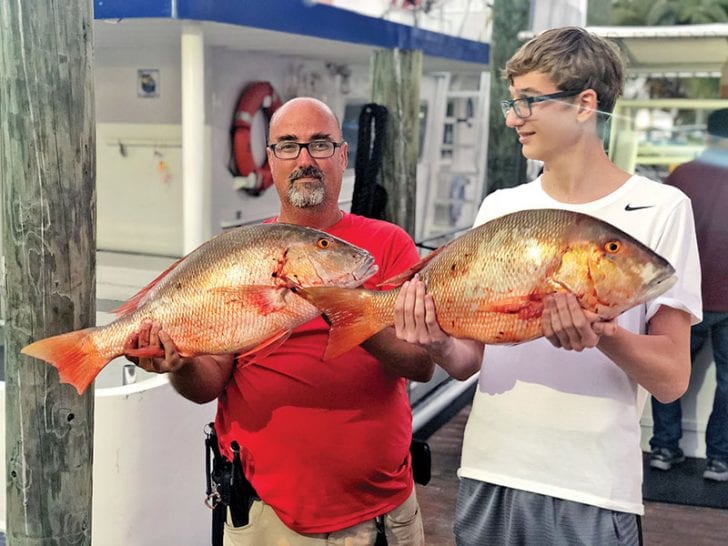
{"x":522,"y":107}
{"x":318,"y":149}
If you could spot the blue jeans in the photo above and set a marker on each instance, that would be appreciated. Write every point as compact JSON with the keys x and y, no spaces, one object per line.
{"x":668,"y":417}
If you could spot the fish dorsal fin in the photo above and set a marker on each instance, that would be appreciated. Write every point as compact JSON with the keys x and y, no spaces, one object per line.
{"x":133,"y":303}
{"x":407,"y":274}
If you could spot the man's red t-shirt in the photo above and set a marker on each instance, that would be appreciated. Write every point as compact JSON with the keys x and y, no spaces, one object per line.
{"x":325,"y":444}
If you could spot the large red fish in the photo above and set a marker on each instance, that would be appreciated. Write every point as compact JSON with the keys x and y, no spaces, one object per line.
{"x":232,"y":294}
{"x":489,"y":284}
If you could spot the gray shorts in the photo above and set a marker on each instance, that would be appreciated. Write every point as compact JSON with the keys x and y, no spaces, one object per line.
{"x":487,"y":514}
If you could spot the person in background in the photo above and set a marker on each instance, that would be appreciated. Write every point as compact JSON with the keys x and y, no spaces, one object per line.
{"x":325,"y":445}
{"x":551,"y":452}
{"x":705,"y":181}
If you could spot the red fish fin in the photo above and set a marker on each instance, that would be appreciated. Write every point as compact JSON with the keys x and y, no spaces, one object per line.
{"x":72,"y":354}
{"x":266,"y":299}
{"x":264,"y":348}
{"x":526,"y":307}
{"x":407,"y":274}
{"x":133,"y":302}
{"x":350,"y":313}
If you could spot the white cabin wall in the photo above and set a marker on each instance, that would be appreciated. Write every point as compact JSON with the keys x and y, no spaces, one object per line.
{"x":116,"y":84}
{"x":139,"y":151}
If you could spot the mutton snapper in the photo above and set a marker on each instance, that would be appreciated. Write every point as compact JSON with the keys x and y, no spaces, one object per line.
{"x":489,"y":283}
{"x":231,"y":294}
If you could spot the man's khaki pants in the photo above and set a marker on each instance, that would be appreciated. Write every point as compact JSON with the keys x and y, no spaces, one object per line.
{"x":403,"y":527}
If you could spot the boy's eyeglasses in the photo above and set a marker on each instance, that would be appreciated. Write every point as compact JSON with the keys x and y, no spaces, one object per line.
{"x":318,"y":149}
{"x":522,"y":107}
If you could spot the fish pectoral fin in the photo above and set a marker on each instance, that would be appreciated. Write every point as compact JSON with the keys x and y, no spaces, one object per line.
{"x":264,"y":348}
{"x":529,"y":306}
{"x":266,"y":299}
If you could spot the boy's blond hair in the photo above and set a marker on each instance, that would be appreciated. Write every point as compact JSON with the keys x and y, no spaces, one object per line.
{"x":574,"y":60}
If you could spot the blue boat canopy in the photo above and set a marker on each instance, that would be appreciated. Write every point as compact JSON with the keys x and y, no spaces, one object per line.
{"x":301,"y":17}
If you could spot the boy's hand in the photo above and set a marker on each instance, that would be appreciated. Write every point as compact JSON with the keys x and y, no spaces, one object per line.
{"x":566,"y":325}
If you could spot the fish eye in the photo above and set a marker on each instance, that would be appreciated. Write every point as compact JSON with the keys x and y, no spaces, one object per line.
{"x":323,"y":243}
{"x":612,"y":247}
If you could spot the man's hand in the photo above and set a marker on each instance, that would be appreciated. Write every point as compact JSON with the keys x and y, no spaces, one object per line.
{"x":415,"y":320}
{"x":566,"y":325}
{"x":151,"y":337}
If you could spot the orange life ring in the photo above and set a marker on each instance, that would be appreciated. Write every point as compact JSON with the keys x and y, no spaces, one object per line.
{"x":256,"y":96}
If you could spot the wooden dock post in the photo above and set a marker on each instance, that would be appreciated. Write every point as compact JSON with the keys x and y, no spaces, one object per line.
{"x":396,"y":78}
{"x":47,"y":171}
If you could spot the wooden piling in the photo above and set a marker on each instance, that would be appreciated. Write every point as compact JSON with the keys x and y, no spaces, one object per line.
{"x":47,"y":170}
{"x":396,"y":78}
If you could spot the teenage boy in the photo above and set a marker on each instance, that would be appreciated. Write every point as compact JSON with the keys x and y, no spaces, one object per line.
{"x":551,"y":453}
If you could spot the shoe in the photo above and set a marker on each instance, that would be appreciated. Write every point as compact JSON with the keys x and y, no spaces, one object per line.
{"x":716,"y":471}
{"x":664,"y":458}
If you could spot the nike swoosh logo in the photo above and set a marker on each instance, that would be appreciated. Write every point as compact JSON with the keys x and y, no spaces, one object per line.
{"x":629,"y":207}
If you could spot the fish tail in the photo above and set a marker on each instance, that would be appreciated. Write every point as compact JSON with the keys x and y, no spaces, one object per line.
{"x":73,"y":354}
{"x":354,"y":315}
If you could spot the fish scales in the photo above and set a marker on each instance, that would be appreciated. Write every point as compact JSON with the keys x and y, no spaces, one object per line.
{"x":513,"y":262}
{"x":232,"y":294}
{"x":489,"y":283}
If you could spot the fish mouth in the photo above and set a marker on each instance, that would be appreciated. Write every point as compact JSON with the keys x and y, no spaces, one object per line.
{"x":654,"y":288}
{"x":365,"y":271}
{"x":355,"y":278}
{"x":661,"y":284}
{"x":344,"y":279}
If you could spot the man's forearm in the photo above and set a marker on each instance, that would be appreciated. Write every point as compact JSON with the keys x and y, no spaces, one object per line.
{"x":399,"y":357}
{"x":203,"y":378}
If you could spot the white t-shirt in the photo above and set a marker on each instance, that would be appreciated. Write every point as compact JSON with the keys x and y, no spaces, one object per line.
{"x":565,"y":423}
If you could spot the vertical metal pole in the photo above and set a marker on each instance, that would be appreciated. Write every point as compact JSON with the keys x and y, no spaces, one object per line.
{"x":195,"y":194}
